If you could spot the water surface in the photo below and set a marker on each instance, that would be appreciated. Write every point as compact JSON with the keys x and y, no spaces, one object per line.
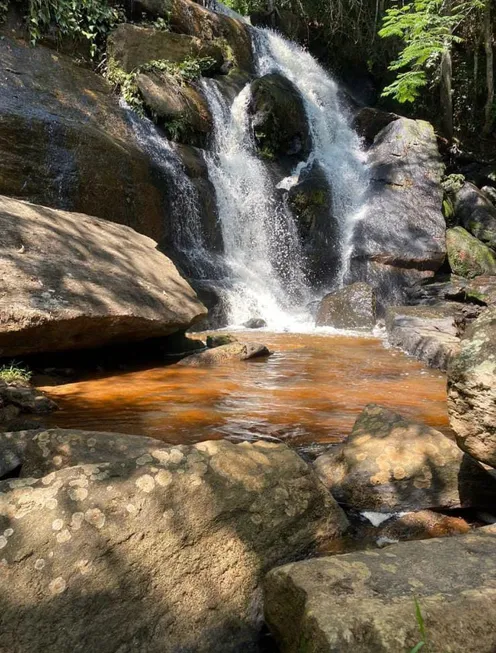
{"x":310,"y":391}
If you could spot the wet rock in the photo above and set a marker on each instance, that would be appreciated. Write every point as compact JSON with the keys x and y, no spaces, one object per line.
{"x":160,"y":555}
{"x":171,"y":101}
{"x":66,"y":143}
{"x":421,"y":525}
{"x":475,"y":212}
{"x":351,"y":307}
{"x":468,"y":256}
{"x":234,"y":351}
{"x":389,"y":463}
{"x":220,"y":340}
{"x":26,"y":399}
{"x":364,"y":601}
{"x":255,"y":323}
{"x":131,"y":46}
{"x":430,"y":333}
{"x":49,"y":450}
{"x":71,"y":281}
{"x":187,"y":17}
{"x":472,"y":389}
{"x":368,"y":122}
{"x":279,"y":119}
{"x":400,"y":239}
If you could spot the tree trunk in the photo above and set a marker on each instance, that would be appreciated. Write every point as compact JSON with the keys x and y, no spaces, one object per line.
{"x":488,"y":46}
{"x":446,"y":96}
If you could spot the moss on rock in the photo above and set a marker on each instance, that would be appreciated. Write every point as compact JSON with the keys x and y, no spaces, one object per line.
{"x":468,"y":256}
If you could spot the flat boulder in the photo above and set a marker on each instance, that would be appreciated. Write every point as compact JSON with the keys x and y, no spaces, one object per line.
{"x":389,"y":463}
{"x":232,"y":351}
{"x":400,"y":238}
{"x":159,"y":556}
{"x":467,"y":255}
{"x":71,"y":281}
{"x":351,"y":307}
{"x":475,"y":211}
{"x":472,"y":389}
{"x":365,"y":601}
{"x":429,"y":333}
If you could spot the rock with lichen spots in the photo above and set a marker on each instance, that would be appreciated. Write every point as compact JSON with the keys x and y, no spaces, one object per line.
{"x":363,"y":602}
{"x":472,"y":389}
{"x":390,"y":463}
{"x":158,"y":557}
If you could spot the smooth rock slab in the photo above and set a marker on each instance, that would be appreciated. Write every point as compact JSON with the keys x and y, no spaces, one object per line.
{"x":160,"y":557}
{"x":364,"y":602}
{"x":472,"y":389}
{"x":71,"y":281}
{"x":390,"y":463}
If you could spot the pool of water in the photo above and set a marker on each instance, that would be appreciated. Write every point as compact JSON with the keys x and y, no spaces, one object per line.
{"x":309,"y":392}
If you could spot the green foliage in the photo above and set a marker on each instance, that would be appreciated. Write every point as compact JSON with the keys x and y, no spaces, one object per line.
{"x":82,"y":19}
{"x":187,"y":70}
{"x":126,"y":84}
{"x":421,"y":626}
{"x":427,"y":30}
{"x":176,"y":129}
{"x":15,"y":373}
{"x":4,"y":6}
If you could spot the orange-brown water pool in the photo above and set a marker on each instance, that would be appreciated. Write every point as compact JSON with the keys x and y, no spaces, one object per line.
{"x":310,"y":391}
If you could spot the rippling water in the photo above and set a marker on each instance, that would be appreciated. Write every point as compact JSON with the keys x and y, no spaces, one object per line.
{"x":310,"y":391}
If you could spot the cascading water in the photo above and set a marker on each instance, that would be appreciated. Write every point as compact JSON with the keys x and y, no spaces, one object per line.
{"x":261,"y":244}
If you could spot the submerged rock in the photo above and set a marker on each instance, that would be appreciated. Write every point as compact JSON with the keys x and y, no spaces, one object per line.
{"x":472,"y":389}
{"x":400,"y":238}
{"x":476,"y":213}
{"x":429,"y":333}
{"x":233,"y":351}
{"x":468,"y":256}
{"x":351,"y":307}
{"x":159,"y":555}
{"x":71,"y":281}
{"x":363,"y":602}
{"x":255,"y":323}
{"x":389,"y":463}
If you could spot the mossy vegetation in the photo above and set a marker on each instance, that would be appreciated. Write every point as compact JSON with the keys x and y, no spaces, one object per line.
{"x":15,"y":373}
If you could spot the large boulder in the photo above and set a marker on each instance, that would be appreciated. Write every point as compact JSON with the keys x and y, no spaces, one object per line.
{"x":400,"y":238}
{"x":390,"y":463}
{"x":472,"y":389}
{"x":429,"y":333}
{"x":70,"y":281}
{"x":476,"y":213}
{"x":467,"y":255}
{"x":368,"y":122}
{"x":365,"y":601}
{"x":131,"y":46}
{"x":66,"y":143}
{"x":160,"y":553}
{"x":351,"y":307}
{"x":279,"y":119}
{"x":188,"y":17}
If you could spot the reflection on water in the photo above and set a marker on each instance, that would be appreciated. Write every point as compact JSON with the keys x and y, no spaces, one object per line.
{"x":310,"y":391}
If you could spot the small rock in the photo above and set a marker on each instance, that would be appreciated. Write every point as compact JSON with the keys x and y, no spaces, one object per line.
{"x":233,"y":351}
{"x":255,"y":323}
{"x":220,"y":339}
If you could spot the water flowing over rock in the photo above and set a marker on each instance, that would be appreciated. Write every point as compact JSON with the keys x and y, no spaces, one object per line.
{"x":363,"y":602}
{"x":400,"y":237}
{"x":389,"y":463}
{"x":472,"y":390}
{"x":352,"y":307}
{"x":72,"y":281}
{"x":163,"y":552}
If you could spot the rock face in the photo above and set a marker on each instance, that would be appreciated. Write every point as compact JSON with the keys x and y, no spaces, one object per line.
{"x":389,"y":463}
{"x":132,"y":46}
{"x":429,"y":333}
{"x":279,"y":119}
{"x":368,"y":122}
{"x":352,"y":307}
{"x":160,"y":553}
{"x":468,"y":256}
{"x":233,"y":351}
{"x":65,"y":143}
{"x":71,"y":281}
{"x":472,"y":389}
{"x":401,"y":237}
{"x":476,"y":213}
{"x":363,"y":602}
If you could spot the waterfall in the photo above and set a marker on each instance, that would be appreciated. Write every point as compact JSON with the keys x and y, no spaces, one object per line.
{"x":336,"y":146}
{"x":261,"y":243}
